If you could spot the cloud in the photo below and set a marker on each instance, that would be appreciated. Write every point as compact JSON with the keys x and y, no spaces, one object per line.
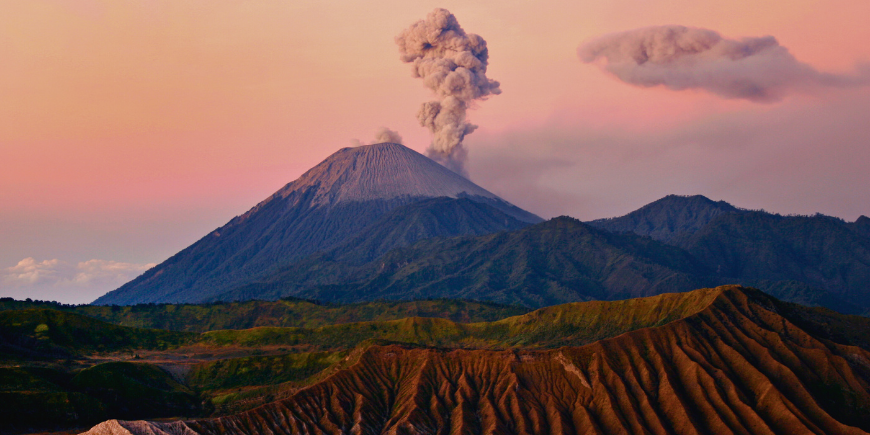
{"x":677,"y":57}
{"x":28,"y":271}
{"x":58,"y":280}
{"x":383,"y":134}
{"x":107,"y":272}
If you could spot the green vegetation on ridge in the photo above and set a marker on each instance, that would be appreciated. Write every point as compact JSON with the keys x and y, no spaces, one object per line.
{"x":569,"y":324}
{"x":285,"y":313}
{"x":44,"y":333}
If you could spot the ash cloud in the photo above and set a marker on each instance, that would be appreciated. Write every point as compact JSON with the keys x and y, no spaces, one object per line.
{"x":383,"y":134}
{"x":677,"y":57}
{"x":452,"y":64}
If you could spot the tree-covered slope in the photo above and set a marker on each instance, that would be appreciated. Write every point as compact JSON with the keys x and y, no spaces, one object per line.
{"x":561,"y":260}
{"x":670,"y":219}
{"x":288,"y":312}
{"x":51,"y":334}
{"x":817,"y":250}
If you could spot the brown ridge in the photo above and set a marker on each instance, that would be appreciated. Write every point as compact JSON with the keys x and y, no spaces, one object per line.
{"x":734,"y":367}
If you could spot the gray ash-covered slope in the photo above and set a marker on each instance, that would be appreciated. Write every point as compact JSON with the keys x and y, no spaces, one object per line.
{"x":327,"y":205}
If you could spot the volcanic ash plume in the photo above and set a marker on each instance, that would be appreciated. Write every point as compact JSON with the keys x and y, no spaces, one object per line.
{"x":453,"y":65}
{"x":756,"y":69}
{"x":387,"y":135}
{"x":384,"y":134}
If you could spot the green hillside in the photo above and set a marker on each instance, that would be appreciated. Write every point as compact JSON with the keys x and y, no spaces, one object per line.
{"x":45,"y":333}
{"x":569,"y":324}
{"x":286,"y":312}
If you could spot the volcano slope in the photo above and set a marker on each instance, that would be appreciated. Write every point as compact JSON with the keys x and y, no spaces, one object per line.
{"x":728,"y":360}
{"x":330,"y":203}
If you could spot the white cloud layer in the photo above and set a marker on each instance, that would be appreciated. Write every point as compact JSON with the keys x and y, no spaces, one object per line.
{"x":58,"y":280}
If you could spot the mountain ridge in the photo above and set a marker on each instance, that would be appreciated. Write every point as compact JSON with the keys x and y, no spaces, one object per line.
{"x":668,"y":219}
{"x":734,"y":361}
{"x":328,"y":204}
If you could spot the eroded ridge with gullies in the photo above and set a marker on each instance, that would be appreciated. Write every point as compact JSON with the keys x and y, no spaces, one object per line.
{"x":738,"y":365}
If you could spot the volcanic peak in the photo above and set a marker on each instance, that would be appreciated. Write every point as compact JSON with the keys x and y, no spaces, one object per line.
{"x":381,"y":171}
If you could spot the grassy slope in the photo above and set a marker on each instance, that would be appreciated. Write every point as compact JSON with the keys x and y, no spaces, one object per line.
{"x":237,"y":384}
{"x":570,"y":324}
{"x":289,"y":312}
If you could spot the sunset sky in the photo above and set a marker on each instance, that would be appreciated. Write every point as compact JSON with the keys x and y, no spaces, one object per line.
{"x":130,"y":129}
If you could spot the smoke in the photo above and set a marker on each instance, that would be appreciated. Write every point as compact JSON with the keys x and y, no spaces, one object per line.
{"x":387,"y":135}
{"x":383,"y":134}
{"x":678,"y":57}
{"x":452,"y":64}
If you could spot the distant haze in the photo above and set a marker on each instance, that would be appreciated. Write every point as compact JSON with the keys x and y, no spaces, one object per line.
{"x":129,"y":130}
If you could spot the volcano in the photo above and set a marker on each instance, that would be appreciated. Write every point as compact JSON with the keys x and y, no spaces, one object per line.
{"x":330,"y":203}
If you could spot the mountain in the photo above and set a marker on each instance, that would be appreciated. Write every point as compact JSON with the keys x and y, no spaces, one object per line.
{"x":816,"y":260}
{"x":810,"y":259}
{"x":862,"y":226}
{"x":729,"y":360}
{"x":669,"y":219}
{"x":328,"y":204}
{"x":561,"y":260}
{"x":821,"y":251}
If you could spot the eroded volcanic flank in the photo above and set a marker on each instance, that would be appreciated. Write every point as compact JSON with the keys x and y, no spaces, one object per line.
{"x":729,"y":360}
{"x":333,"y":201}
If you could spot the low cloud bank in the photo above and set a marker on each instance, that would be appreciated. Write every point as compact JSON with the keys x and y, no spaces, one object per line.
{"x":58,"y":280}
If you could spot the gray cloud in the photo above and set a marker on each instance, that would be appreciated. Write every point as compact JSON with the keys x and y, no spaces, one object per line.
{"x":452,"y":64}
{"x":678,"y":57}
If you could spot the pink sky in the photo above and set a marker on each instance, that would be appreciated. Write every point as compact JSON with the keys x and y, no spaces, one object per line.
{"x":128,"y":129}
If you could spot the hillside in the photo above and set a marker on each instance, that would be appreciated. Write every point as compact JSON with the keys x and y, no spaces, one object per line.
{"x":821,"y":251}
{"x":726,"y":360}
{"x":818,"y":259}
{"x":51,"y":334}
{"x":670,"y":219}
{"x":813,"y":260}
{"x":558,"y":261}
{"x":288,"y":312}
{"x":328,"y":204}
